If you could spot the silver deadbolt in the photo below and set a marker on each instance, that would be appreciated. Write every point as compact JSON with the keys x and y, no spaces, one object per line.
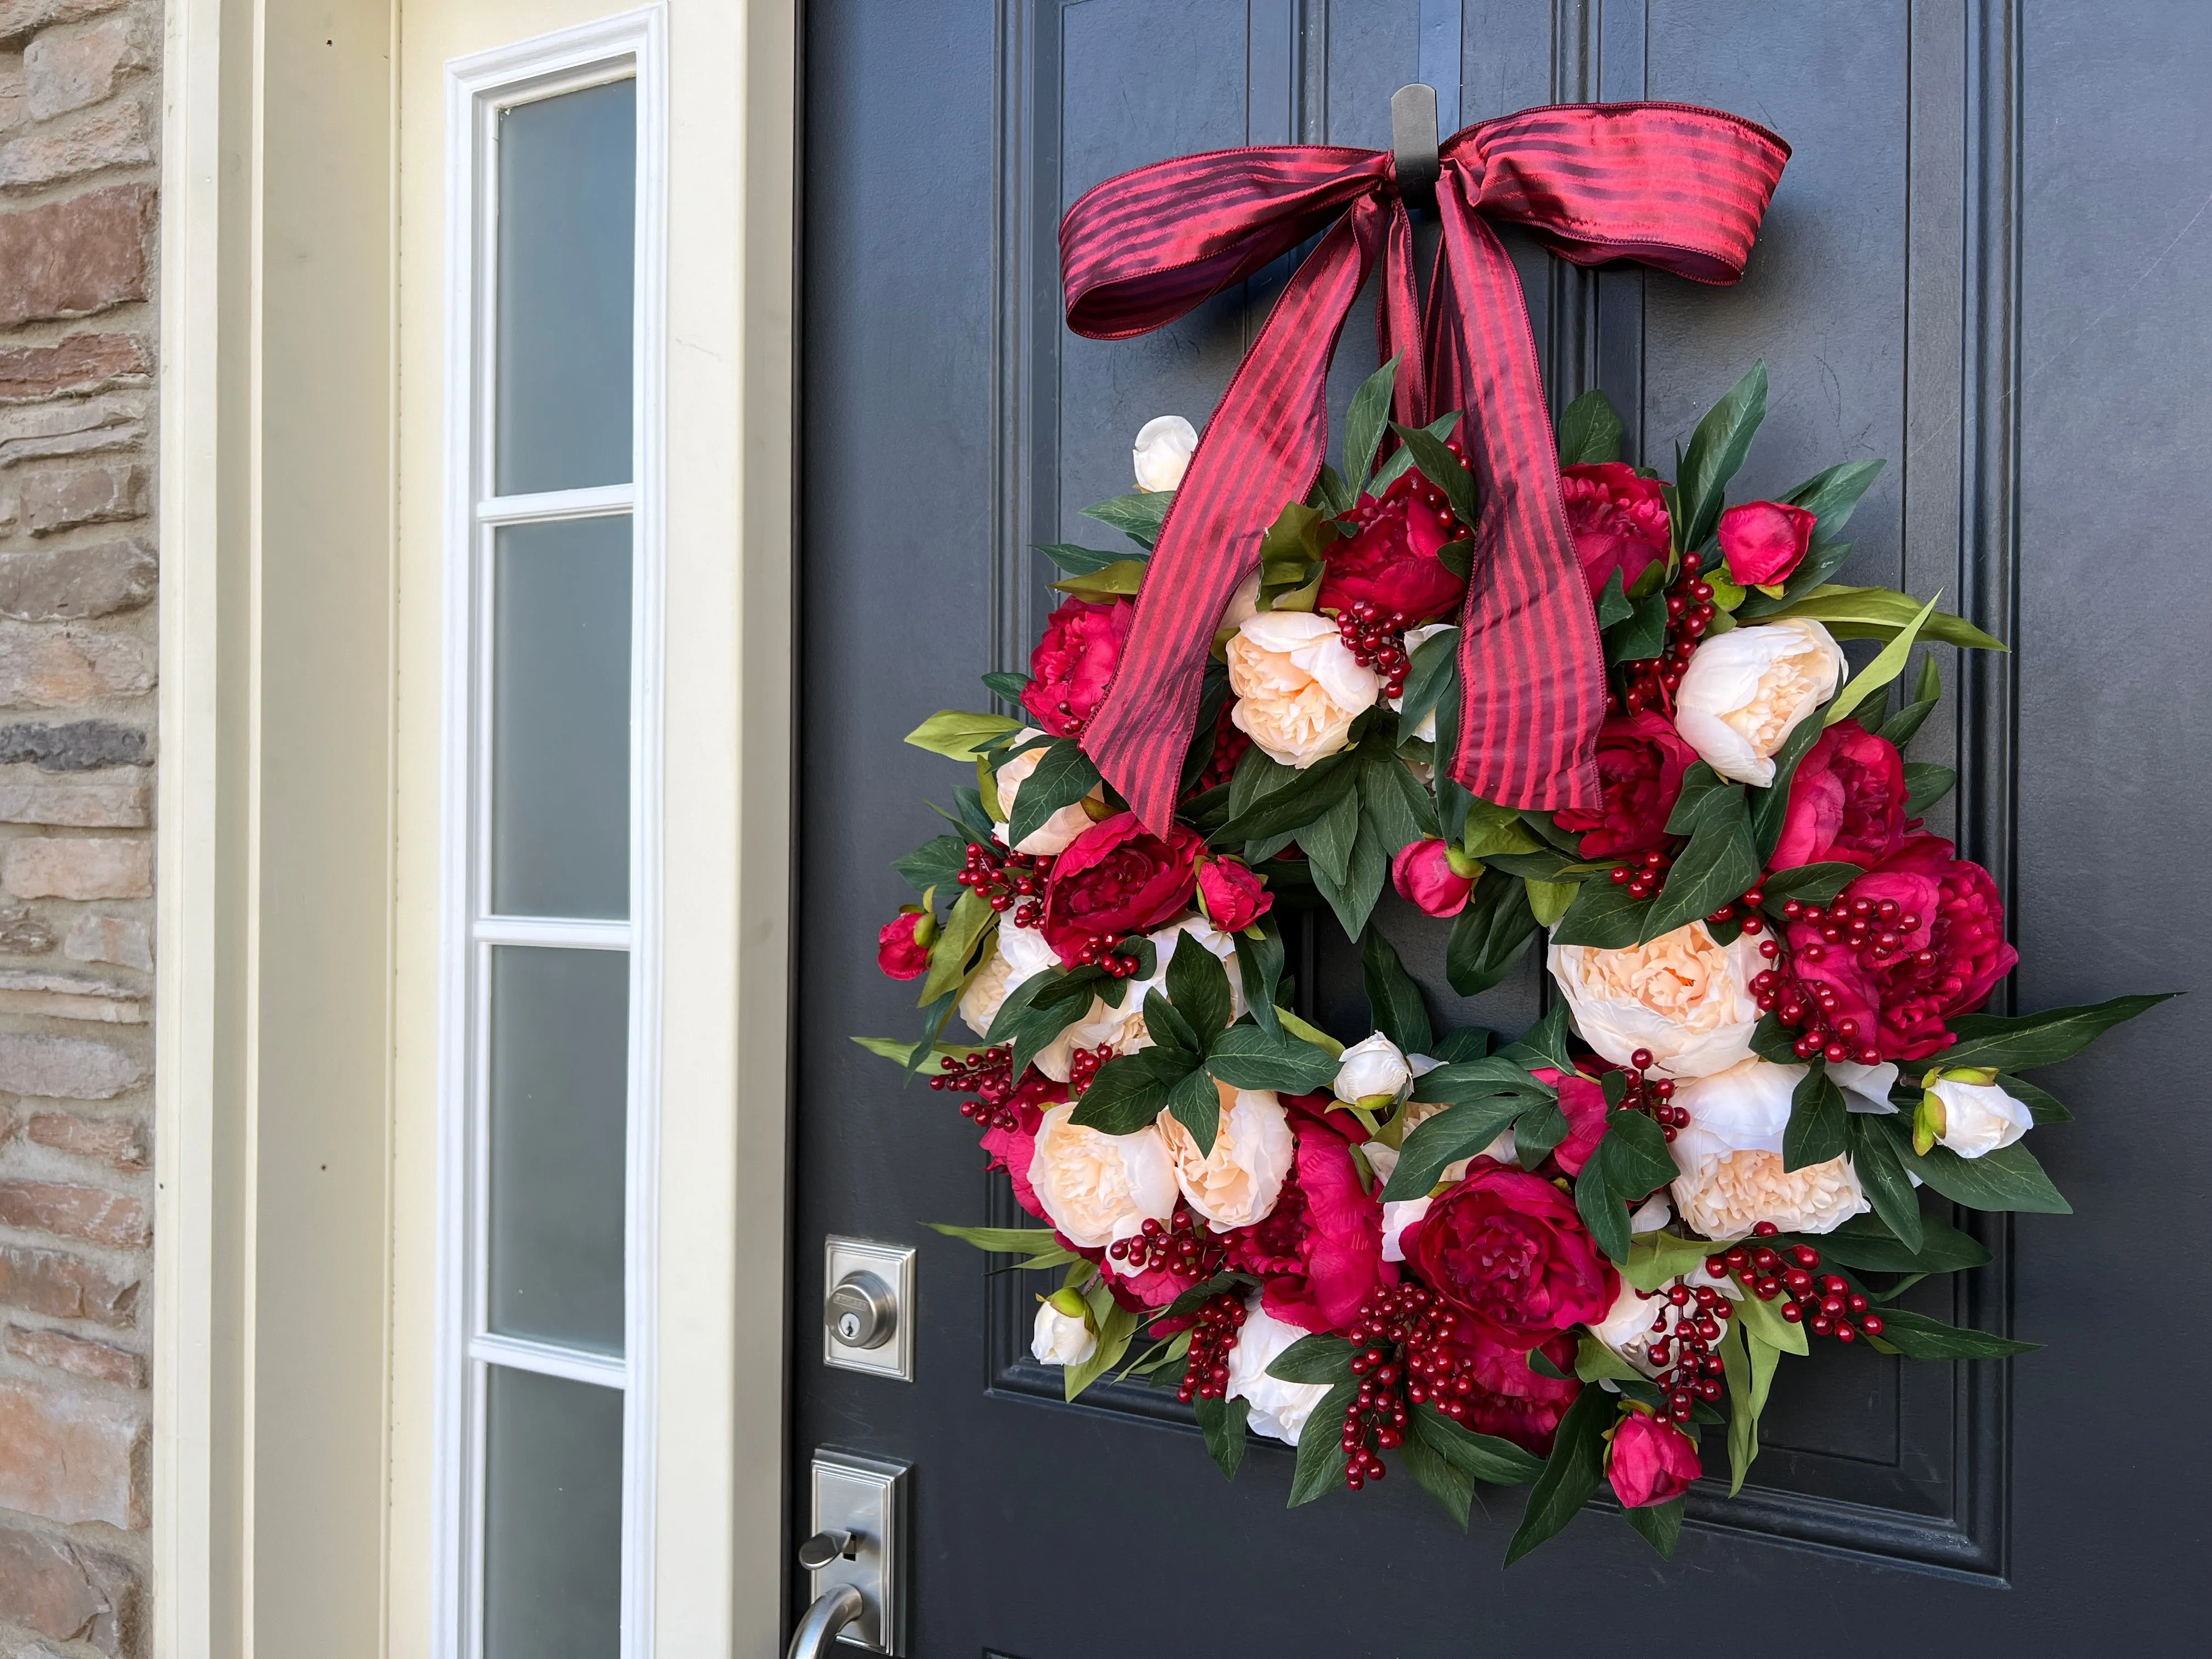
{"x":862,"y":1312}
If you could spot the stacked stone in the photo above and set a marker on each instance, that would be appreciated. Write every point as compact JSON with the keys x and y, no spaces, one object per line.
{"x":78,"y":119}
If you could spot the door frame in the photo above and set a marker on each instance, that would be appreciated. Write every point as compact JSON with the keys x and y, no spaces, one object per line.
{"x":294,"y":1325}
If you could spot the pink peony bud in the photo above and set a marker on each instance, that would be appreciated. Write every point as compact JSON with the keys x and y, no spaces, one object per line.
{"x":1650,"y":1461}
{"x":1427,"y":872}
{"x":1232,"y":898}
{"x":902,"y":947}
{"x":1765,"y":541}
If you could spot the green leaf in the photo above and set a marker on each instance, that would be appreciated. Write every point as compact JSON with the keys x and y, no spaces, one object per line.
{"x":964,"y":929}
{"x":1435,"y":666}
{"x":1078,"y":561}
{"x":1004,"y":1241}
{"x":893,"y":1049}
{"x":1594,"y":1360}
{"x":1830,"y":496}
{"x":1764,"y":1320}
{"x":1438,"y":1475}
{"x":1815,"y":883}
{"x":1223,"y":1423}
{"x":1569,"y":1475}
{"x":1874,"y":1157}
{"x":1292,"y":802}
{"x":1865,"y":1246}
{"x":1456,"y":1132}
{"x":1590,"y":431}
{"x":1540,"y":1126}
{"x":1329,"y":843}
{"x":1247,"y":1057}
{"x":935,"y":863}
{"x":1901,"y":727}
{"x":1655,"y":1257}
{"x":1748,"y":1364}
{"x":1260,"y":966}
{"x":1401,"y":458}
{"x":1770,"y":807}
{"x":1601,"y":1210}
{"x":1321,"y":1446}
{"x":1544,"y":1043}
{"x":1392,"y":998}
{"x":1196,"y":1104}
{"x":1138,"y":515}
{"x":1819,"y":1129}
{"x":1703,"y":792}
{"x":1636,"y":1159}
{"x":1364,"y":422}
{"x":1441,"y":468}
{"x":1354,"y":899}
{"x":1878,"y":613}
{"x":1489,"y":935}
{"x":1771,"y":1040}
{"x":1396,"y":806}
{"x":1550,"y":900}
{"x":1718,"y":866}
{"x":1319,"y":1359}
{"x":1199,"y":986}
{"x":1926,"y":783}
{"x":1120,"y":579}
{"x":958,"y":735}
{"x":1458,"y":1082}
{"x":1491,"y":830}
{"x":1603,"y":917}
{"x":1485,"y":1457}
{"x":1613,"y":604}
{"x":1918,"y":1336}
{"x":1164,"y":1022}
{"x":1644,"y":635}
{"x":1716,"y":451}
{"x":1116,"y":1325}
{"x":1122,"y":1099}
{"x":1064,"y":776}
{"x":2007,"y":1179}
{"x":2045,"y":1107}
{"x":1888,"y":663}
{"x":1661,"y":1524}
{"x":2032,"y":1040}
{"x":1331,"y":494}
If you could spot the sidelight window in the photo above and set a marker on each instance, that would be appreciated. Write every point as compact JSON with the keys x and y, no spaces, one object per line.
{"x":549,"y":1029}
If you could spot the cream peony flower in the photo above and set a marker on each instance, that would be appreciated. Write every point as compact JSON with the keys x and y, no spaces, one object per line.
{"x":1238,"y":1183}
{"x":1726,"y":1197}
{"x":1123,"y":1029}
{"x":1374,"y":1067}
{"x":1163,"y":451}
{"x":1297,"y":687}
{"x":1279,"y":1409}
{"x":1979,"y":1118}
{"x":1243,"y":605}
{"x":1686,"y":997}
{"x":1056,"y":833}
{"x":1747,"y":689}
{"x":1062,"y":1334}
{"x":1415,"y":639}
{"x":979,"y":1002}
{"x":1097,"y":1188}
{"x":1626,"y":1327}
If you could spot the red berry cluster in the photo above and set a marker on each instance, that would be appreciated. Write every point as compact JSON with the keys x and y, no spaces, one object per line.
{"x":1376,"y":640}
{"x":1683,"y":1334}
{"x":1205,"y":1373}
{"x":1409,"y":1356}
{"x":1116,"y":957}
{"x":988,"y":1075}
{"x":1652,"y":682}
{"x":1229,"y":743}
{"x":1654,"y":1095}
{"x":1827,"y":1303}
{"x":1001,"y":879}
{"x":1178,"y":1245}
{"x":1645,"y":876}
{"x":1874,"y":931}
{"x":1083,"y":1066}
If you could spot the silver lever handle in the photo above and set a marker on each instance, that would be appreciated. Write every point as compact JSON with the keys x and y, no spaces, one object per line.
{"x":834,"y":1609}
{"x":819,"y":1551}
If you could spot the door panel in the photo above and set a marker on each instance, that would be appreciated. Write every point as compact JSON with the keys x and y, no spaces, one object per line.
{"x":1885,"y":296}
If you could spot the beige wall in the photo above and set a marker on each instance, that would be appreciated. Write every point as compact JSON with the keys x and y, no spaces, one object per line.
{"x":294,"y":1411}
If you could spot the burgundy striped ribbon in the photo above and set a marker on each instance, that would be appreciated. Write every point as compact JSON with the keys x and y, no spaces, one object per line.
{"x":1669,"y":185}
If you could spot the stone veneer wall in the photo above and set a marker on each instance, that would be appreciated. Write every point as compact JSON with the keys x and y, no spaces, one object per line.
{"x":79,"y":121}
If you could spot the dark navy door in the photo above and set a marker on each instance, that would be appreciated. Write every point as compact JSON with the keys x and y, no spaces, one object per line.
{"x":1985,"y":264}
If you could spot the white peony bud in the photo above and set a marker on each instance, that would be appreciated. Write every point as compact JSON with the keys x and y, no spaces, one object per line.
{"x":1747,"y":689}
{"x":1063,"y":1335}
{"x":1375,"y":1066}
{"x":1979,"y":1118}
{"x":1162,"y":451}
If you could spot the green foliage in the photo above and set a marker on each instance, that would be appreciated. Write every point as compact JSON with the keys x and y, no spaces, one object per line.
{"x":1719,"y":865}
{"x":1317,"y":1358}
{"x":1659,"y":1524}
{"x":1364,"y":424}
{"x":1441,"y":468}
{"x":1138,"y":515}
{"x":1456,"y":1132}
{"x":1489,"y":935}
{"x":1569,"y":1475}
{"x":1818,"y":1128}
{"x":1717,"y":450}
{"x":1878,"y":613}
{"x":1888,"y":663}
{"x":2022,"y":1044}
{"x":958,"y":735}
{"x":1321,"y":1446}
{"x":1078,"y":561}
{"x":1006,"y":1240}
{"x":1064,"y":776}
{"x":1223,"y":1423}
{"x":1590,"y":431}
{"x":1392,"y":997}
{"x":1918,"y":1336}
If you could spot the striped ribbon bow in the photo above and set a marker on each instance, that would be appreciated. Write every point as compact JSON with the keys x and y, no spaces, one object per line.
{"x":1669,"y":185}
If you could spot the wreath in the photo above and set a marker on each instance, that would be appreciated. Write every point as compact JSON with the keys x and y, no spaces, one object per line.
{"x":1554,"y":1260}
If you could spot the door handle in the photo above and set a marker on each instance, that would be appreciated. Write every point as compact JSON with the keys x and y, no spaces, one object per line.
{"x":834,"y":1609}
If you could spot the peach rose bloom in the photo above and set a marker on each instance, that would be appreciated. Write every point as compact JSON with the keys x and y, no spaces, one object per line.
{"x":1097,"y":1187}
{"x":1238,"y":1183}
{"x":1686,"y":997}
{"x":1298,"y":686}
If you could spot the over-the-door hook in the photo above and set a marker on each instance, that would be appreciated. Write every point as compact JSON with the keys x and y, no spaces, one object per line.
{"x":1413,"y":143}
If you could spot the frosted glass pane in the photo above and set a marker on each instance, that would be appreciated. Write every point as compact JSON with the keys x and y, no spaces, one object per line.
{"x":560,"y":1063}
{"x":568,"y":212}
{"x":552,"y":1518}
{"x":560,"y":796}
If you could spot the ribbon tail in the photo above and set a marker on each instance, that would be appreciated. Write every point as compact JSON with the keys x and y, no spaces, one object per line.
{"x":1261,"y":450}
{"x":1397,"y":323}
{"x":1532,"y":672}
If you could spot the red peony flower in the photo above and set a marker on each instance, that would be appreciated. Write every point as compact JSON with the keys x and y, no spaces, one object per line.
{"x":1074,"y":662}
{"x":1391,"y":560}
{"x":1765,"y":541}
{"x":1319,"y":1252}
{"x":1950,"y":950}
{"x":1650,"y":1461}
{"x":1013,"y":1149}
{"x":898,"y":951}
{"x":1640,"y":762}
{"x":1514,"y":1402}
{"x":1424,"y":873}
{"x":1581,"y":1101}
{"x":1619,"y":520}
{"x":1508,"y":1248}
{"x":1232,"y":898}
{"x":1846,"y":801}
{"x":1118,"y":878}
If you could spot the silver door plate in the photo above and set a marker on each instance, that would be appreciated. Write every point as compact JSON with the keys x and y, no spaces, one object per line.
{"x":867,"y":1498}
{"x":894,"y":1265}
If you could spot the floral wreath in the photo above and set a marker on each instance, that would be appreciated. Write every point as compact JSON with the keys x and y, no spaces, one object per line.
{"x":1554,"y":1260}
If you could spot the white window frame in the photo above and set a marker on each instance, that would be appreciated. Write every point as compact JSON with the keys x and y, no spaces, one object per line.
{"x":631,"y":46}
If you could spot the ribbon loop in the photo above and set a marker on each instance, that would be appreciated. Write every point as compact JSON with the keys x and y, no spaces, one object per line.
{"x":1669,"y":185}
